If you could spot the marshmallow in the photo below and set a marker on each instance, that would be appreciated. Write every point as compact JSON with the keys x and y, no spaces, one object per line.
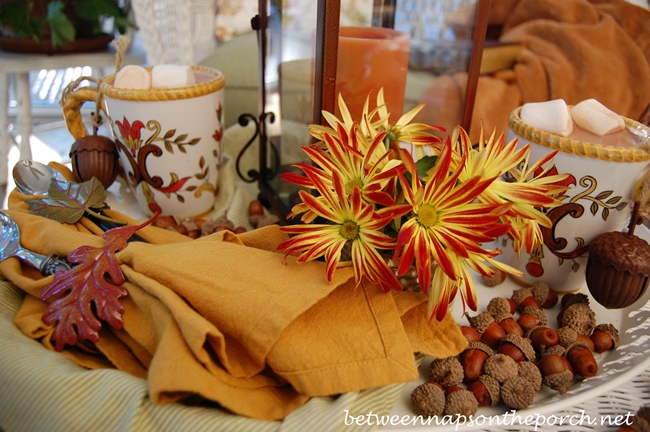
{"x":133,"y":77}
{"x":168,"y":76}
{"x":595,"y":117}
{"x":552,"y":116}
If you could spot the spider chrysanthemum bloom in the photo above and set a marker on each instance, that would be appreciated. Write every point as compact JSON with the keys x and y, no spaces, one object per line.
{"x":352,"y":221}
{"x":447,"y":226}
{"x":530,"y":190}
{"x":352,"y":161}
{"x":376,"y":121}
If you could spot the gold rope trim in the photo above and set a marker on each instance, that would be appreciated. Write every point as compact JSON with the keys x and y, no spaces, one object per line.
{"x":120,"y":46}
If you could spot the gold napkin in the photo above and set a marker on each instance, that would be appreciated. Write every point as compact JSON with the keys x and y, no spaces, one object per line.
{"x":223,"y":318}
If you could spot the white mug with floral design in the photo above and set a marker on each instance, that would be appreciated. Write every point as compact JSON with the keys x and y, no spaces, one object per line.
{"x":602,"y":175}
{"x":168,"y":139}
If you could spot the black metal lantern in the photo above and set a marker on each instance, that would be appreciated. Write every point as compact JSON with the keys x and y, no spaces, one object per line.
{"x":298,"y":59}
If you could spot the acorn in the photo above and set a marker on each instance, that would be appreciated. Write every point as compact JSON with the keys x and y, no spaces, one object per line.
{"x":529,"y":301}
{"x":604,"y":337}
{"x":499,"y":306}
{"x":508,"y":323}
{"x":532,"y":317}
{"x":428,"y":399}
{"x":544,"y":294}
{"x":556,"y":349}
{"x":543,"y":336}
{"x":567,"y":336}
{"x":446,"y":371}
{"x":473,"y":359}
{"x":582,"y":360}
{"x":570,"y":298}
{"x":518,"y":348}
{"x":461,"y":402}
{"x":500,"y":367}
{"x":486,"y":390}
{"x":579,"y":317}
{"x":491,"y":333}
{"x":517,"y":393}
{"x":519,"y":295}
{"x":587,"y":341}
{"x":470,"y":333}
{"x":557,"y":372}
{"x":530,"y":371}
{"x":94,"y":156}
{"x":618,"y":269}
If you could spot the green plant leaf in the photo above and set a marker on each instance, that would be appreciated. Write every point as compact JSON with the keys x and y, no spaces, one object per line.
{"x":425,"y":164}
{"x":62,"y":28}
{"x":68,"y":203}
{"x":15,"y":15}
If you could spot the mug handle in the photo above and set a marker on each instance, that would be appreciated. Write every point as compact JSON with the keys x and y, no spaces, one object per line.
{"x":72,"y":110}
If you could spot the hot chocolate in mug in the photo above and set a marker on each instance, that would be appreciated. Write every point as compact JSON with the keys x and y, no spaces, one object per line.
{"x":602,"y":175}
{"x":168,"y":139}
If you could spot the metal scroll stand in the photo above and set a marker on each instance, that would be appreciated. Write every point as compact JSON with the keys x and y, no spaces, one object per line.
{"x":324,"y":86}
{"x":268,"y":196}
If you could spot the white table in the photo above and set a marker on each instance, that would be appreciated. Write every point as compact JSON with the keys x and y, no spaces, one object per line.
{"x":20,"y":65}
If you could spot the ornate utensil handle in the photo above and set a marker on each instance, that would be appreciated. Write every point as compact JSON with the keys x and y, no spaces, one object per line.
{"x":54,"y":264}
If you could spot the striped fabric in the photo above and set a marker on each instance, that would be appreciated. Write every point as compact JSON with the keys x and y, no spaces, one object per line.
{"x":41,"y":390}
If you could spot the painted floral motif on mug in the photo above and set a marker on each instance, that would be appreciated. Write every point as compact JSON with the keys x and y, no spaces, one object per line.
{"x":136,"y":151}
{"x":604,"y":203}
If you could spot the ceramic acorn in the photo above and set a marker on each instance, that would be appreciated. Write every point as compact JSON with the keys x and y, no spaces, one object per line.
{"x":618,"y":268}
{"x":94,"y":156}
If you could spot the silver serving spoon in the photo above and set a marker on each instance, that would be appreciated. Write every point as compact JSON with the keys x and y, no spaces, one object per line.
{"x":34,"y":178}
{"x":10,"y":246}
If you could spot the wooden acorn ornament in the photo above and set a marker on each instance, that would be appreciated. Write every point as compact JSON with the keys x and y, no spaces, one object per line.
{"x":618,"y":267}
{"x":94,"y":156}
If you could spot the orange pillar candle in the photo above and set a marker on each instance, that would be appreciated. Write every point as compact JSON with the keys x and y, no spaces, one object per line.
{"x":370,"y":58}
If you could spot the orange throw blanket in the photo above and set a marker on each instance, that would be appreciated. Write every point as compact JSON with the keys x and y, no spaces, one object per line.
{"x":572,"y":50}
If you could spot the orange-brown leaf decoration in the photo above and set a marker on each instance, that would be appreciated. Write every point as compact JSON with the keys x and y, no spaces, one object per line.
{"x":90,"y":291}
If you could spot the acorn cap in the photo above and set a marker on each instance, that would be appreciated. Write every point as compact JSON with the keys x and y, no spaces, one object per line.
{"x":559,"y":381}
{"x":567,"y":336}
{"x":428,"y":400}
{"x":500,"y":316}
{"x":498,"y":305}
{"x":500,"y":367}
{"x":577,"y":298}
{"x":517,"y":393}
{"x":540,"y":291}
{"x":522,"y":343}
{"x":611,"y":331}
{"x":557,"y":349}
{"x":537,"y":313}
{"x":529,"y":371}
{"x":519,"y":295}
{"x":623,"y":251}
{"x":480,"y":322}
{"x":446,"y":371}
{"x":481,"y":346}
{"x":579,"y":317}
{"x":493,"y":387}
{"x":461,"y":402}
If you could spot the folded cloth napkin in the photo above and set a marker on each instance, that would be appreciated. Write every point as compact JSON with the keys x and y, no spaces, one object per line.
{"x":44,"y":391}
{"x":572,"y":50}
{"x":223,"y":318}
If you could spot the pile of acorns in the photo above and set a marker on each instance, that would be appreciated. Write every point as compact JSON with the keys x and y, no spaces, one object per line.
{"x":508,"y":359}
{"x":200,"y":227}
